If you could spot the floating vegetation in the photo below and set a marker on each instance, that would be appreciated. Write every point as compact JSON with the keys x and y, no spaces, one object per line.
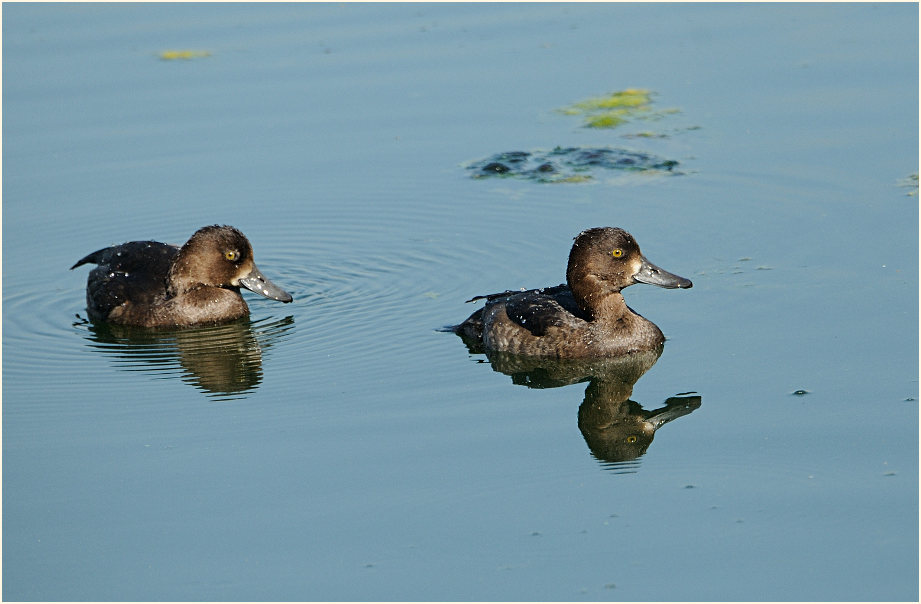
{"x":183,"y":55}
{"x":569,"y":164}
{"x":646,"y":134}
{"x":910,"y":183}
{"x":575,"y":164}
{"x":616,"y":108}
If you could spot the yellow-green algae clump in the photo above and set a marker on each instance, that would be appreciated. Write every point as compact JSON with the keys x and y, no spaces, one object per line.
{"x":184,"y":55}
{"x":616,"y":108}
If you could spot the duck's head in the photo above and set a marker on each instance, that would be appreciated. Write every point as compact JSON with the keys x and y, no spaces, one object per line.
{"x":220,"y":256}
{"x":605,"y":260}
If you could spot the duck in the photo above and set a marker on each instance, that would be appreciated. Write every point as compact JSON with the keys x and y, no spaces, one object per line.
{"x":153,"y":284}
{"x":586,"y":317}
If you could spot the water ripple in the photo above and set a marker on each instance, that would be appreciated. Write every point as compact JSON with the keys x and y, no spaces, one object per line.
{"x":368,"y":285}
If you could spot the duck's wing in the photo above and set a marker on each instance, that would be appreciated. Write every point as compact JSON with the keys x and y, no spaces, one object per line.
{"x":134,"y":256}
{"x":472,"y":328}
{"x":491,"y":297}
{"x":514,"y":292}
{"x":539,"y":309}
{"x":135,"y":271}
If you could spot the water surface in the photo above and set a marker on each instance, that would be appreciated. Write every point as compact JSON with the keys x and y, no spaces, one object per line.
{"x":342,"y":447}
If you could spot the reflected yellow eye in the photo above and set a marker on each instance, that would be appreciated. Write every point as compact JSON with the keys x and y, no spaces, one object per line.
{"x":617,"y":253}
{"x":631,"y":439}
{"x":231,"y":255}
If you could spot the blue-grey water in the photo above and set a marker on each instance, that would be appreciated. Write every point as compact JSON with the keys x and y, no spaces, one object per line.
{"x":342,"y":447}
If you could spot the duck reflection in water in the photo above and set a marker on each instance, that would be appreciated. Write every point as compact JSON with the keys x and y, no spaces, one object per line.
{"x":617,"y":430}
{"x":224,"y":361}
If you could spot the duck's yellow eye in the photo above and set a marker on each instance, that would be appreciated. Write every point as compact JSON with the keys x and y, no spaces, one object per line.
{"x":631,"y":439}
{"x":617,"y":253}
{"x":231,"y":255}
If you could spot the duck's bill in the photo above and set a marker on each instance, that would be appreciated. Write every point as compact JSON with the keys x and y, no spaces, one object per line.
{"x":256,"y":282}
{"x":675,"y":407}
{"x":653,"y":275}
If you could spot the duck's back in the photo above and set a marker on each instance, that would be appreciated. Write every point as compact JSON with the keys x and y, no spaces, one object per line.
{"x":525,"y":322}
{"x":549,"y":322}
{"x":537,"y":322}
{"x":136,"y":271}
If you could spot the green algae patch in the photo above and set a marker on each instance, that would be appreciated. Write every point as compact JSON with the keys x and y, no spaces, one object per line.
{"x":617,"y":108}
{"x":624,"y":100}
{"x":183,"y":55}
{"x":605,"y":120}
{"x":568,"y":164}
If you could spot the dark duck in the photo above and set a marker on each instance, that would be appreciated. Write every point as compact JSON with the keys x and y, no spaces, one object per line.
{"x":587,"y":316}
{"x":152,"y":284}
